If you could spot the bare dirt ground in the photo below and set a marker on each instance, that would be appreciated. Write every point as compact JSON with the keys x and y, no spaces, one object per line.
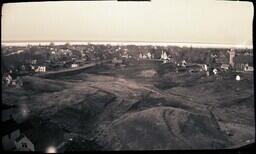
{"x":140,"y":107}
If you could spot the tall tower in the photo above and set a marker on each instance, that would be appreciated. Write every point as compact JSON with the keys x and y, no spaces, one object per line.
{"x":232,"y":54}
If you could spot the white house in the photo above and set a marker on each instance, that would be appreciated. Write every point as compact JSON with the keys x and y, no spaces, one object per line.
{"x":225,"y":66}
{"x":248,"y":68}
{"x":215,"y":71}
{"x":41,"y":69}
{"x":22,"y":143}
{"x":149,"y":55}
{"x":74,"y":65}
{"x":205,"y":67}
{"x":183,"y":63}
{"x":164,"y":56}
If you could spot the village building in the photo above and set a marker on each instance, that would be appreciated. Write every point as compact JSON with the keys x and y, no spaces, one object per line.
{"x":207,"y":73}
{"x":248,"y":68}
{"x":74,"y":65}
{"x":194,"y":68}
{"x":40,"y":69}
{"x":34,"y":61}
{"x":205,"y":67}
{"x":164,"y":56}
{"x":238,"y":78}
{"x":243,"y":63}
{"x":22,"y":143}
{"x":116,"y":61}
{"x":32,"y":67}
{"x":125,"y":55}
{"x":7,"y":79}
{"x":225,"y":67}
{"x":215,"y":71}
{"x":183,"y":63}
{"x":149,"y":55}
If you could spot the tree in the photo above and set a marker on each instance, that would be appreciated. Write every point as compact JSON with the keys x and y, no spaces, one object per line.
{"x":51,"y":44}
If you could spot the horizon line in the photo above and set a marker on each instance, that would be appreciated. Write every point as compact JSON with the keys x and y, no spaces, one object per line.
{"x":189,"y":44}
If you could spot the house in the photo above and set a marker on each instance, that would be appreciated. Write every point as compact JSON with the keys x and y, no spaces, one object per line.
{"x":183,"y":63}
{"x":22,"y":143}
{"x":41,"y":69}
{"x":74,"y":65}
{"x":238,"y":78}
{"x":32,"y":67}
{"x":149,"y":55}
{"x":215,"y":71}
{"x":9,"y":132}
{"x":164,"y":56}
{"x":79,"y":61}
{"x":196,"y":68}
{"x":225,"y":67}
{"x":242,"y":62}
{"x":34,"y":61}
{"x":248,"y":68}
{"x":205,"y":67}
{"x":7,"y":79}
{"x":125,"y":55}
{"x":116,"y":61}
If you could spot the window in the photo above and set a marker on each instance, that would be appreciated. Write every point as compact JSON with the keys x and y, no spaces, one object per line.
{"x":24,"y":145}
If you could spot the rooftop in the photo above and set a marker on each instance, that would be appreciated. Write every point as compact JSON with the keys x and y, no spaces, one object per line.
{"x":20,"y":137}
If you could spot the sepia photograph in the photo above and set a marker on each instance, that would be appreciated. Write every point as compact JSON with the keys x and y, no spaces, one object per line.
{"x":112,"y":75}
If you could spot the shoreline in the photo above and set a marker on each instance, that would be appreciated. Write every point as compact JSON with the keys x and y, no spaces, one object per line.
{"x":179,"y":44}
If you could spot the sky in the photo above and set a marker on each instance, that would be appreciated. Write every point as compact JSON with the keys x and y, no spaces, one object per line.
{"x":183,"y":21}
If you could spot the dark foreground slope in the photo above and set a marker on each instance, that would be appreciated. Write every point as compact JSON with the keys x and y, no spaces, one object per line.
{"x":137,"y":108}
